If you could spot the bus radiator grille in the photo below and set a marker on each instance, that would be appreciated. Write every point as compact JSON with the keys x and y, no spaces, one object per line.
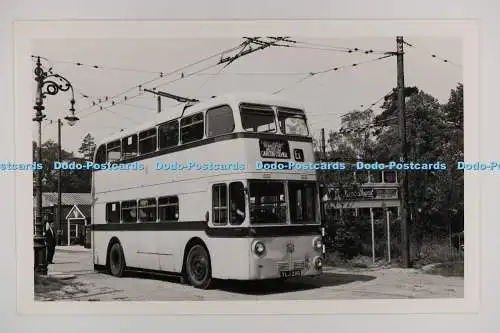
{"x":286,"y":266}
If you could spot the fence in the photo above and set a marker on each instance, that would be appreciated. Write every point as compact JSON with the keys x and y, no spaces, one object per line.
{"x":354,"y":236}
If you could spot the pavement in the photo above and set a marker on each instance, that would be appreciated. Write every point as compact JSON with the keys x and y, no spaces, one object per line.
{"x":75,"y":263}
{"x":72,"y":248}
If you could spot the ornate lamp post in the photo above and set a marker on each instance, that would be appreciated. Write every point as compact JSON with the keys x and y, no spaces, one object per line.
{"x":47,"y":84}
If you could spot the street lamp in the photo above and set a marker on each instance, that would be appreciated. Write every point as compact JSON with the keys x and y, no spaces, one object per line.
{"x":47,"y":83}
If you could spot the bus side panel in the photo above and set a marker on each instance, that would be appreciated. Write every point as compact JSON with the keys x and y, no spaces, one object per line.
{"x":100,"y":245}
{"x":229,"y":257}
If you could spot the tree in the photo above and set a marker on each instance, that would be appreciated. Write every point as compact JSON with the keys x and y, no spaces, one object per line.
{"x":87,"y":147}
{"x":434,"y":133}
{"x":71,"y":180}
{"x":354,"y":141}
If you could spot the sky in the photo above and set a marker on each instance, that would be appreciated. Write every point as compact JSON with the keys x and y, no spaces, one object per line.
{"x":126,"y":63}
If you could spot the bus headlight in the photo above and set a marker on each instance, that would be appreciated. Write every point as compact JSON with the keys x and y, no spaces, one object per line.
{"x":259,"y":248}
{"x":318,"y":244}
{"x":318,"y":263}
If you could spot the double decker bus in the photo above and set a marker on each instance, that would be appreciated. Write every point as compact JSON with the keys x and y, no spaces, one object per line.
{"x":211,"y":194}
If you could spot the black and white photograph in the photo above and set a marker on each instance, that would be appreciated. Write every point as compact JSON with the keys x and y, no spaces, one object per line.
{"x":271,"y":166}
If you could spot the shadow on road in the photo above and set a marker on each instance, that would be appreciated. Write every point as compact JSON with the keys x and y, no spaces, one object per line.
{"x":265,"y":287}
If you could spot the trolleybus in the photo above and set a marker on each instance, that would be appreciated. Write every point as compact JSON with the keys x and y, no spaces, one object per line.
{"x":215,"y":191}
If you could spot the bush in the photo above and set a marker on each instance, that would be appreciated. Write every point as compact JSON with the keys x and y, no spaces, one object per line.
{"x":345,"y":238}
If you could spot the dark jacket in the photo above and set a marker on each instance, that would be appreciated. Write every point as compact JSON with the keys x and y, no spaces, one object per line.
{"x":50,"y":238}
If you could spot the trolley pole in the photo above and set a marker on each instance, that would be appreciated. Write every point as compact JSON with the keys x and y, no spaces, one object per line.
{"x":403,"y":190}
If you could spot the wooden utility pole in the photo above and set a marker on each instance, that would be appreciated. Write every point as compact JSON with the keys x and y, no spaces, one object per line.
{"x":403,"y":189}
{"x":323,"y":144}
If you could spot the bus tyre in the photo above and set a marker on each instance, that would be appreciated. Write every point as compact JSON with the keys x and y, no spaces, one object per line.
{"x":116,"y":260}
{"x":198,"y":267}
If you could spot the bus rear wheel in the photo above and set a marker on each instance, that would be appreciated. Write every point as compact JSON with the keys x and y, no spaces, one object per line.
{"x":116,"y":260}
{"x":198,"y":267}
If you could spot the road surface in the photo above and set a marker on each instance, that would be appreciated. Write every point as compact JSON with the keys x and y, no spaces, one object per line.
{"x":335,"y":283}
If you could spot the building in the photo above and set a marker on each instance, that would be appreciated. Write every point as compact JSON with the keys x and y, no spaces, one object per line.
{"x":75,"y":215}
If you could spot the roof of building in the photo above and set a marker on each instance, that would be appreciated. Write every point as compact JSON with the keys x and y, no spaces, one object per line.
{"x":67,"y":199}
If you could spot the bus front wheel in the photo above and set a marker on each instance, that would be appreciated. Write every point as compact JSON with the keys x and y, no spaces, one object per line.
{"x":116,"y":260}
{"x":198,"y":267}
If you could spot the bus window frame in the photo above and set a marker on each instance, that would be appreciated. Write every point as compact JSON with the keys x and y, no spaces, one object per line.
{"x":219,"y":207}
{"x":117,"y":146}
{"x":136,"y":211}
{"x":118,"y":206}
{"x":168,"y":205}
{"x":155,"y":206}
{"x":206,"y":122}
{"x":251,"y":182}
{"x":103,"y":158}
{"x":311,"y":184}
{"x":159,"y":147}
{"x":125,"y":155}
{"x":202,"y":121}
{"x":272,"y":110}
{"x":243,"y":200}
{"x":292,"y":111}
{"x":155,"y":136}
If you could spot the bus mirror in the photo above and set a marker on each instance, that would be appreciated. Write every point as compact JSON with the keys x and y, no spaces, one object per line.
{"x":245,"y":189}
{"x":207,"y":216}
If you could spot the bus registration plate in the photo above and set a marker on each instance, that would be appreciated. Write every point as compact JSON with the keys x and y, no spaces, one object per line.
{"x":296,"y":272}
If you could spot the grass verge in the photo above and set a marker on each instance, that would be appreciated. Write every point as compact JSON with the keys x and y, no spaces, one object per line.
{"x":450,"y":268}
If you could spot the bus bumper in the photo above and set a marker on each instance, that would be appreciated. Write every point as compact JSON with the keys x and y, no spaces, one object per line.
{"x":273,"y":269}
{"x":285,"y":258}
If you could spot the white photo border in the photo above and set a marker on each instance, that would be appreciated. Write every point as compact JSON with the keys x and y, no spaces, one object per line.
{"x":27,"y":31}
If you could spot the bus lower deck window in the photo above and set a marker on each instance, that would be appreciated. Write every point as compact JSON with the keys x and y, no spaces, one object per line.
{"x":219,"y":204}
{"x":168,"y":208}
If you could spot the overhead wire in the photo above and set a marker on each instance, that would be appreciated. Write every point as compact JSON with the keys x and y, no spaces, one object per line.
{"x":311,"y":74}
{"x":160,"y":76}
{"x":433,"y":55}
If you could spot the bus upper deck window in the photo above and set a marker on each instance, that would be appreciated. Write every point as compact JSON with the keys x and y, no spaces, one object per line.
{"x":147,"y":141}
{"x":257,"y":118}
{"x":129,"y":146}
{"x":168,"y":134}
{"x":192,"y":128}
{"x":220,"y":121}
{"x":100,"y":156}
{"x":113,"y":151}
{"x":292,"y":121}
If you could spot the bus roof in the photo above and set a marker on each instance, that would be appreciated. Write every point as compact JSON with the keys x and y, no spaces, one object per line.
{"x":175,"y":112}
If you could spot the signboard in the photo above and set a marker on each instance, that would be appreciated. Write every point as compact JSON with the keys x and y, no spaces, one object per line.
{"x":352,"y":194}
{"x":274,"y":149}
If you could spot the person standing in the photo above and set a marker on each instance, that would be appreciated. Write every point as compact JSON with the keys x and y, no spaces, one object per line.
{"x":50,"y":241}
